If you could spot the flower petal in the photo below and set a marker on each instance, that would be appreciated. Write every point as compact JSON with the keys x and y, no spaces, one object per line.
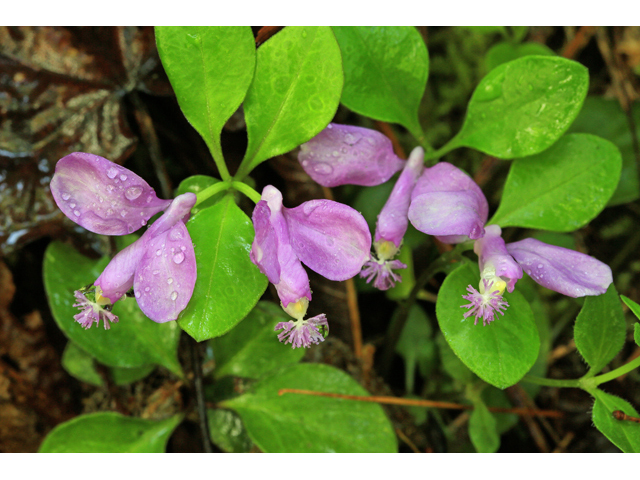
{"x":264,"y":249}
{"x":446,"y":201}
{"x":330,"y":238}
{"x":393,"y":221}
{"x":101,"y":196}
{"x":562,"y":270}
{"x":117,"y":277}
{"x":493,"y":255}
{"x":165,"y":277}
{"x":343,"y":154}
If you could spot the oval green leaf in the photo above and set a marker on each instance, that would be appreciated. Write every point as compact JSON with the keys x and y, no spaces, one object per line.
{"x":500,"y":353}
{"x":416,"y":345}
{"x":304,"y":423}
{"x":135,"y":341}
{"x":229,"y":284}
{"x":623,"y":434}
{"x":522,"y":107}
{"x":210,"y":69}
{"x":252,"y":349}
{"x":110,"y":432}
{"x":385,"y":73}
{"x":227,"y":431}
{"x":506,"y":51}
{"x":562,"y":188}
{"x":600,"y":329}
{"x":483,"y":430}
{"x":295,"y":92}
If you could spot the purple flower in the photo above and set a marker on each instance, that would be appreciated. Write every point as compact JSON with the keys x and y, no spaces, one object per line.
{"x":392,"y":225}
{"x":343,"y":154}
{"x":330,"y":238}
{"x":160,"y":265}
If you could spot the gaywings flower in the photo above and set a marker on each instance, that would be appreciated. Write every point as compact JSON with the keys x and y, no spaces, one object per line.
{"x":392,"y":225}
{"x":330,"y":238}
{"x":108,"y":199}
{"x":449,"y":204}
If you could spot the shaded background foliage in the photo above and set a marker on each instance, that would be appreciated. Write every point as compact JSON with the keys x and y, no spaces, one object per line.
{"x":103,"y":90}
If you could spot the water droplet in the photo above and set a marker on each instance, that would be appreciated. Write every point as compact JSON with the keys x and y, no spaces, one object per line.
{"x":66,"y":196}
{"x":155,"y":272}
{"x":100,"y":199}
{"x":109,"y":212}
{"x":371,"y":141}
{"x":541,"y":275}
{"x":305,"y":163}
{"x":322,"y":168}
{"x":335,"y":153}
{"x":183,"y":248}
{"x":344,"y":150}
{"x":137,"y":294}
{"x":178,"y":258}
{"x":110,"y":188}
{"x":174,"y":295}
{"x":175,"y":234}
{"x":112,"y":172}
{"x":143,"y":222}
{"x":147,"y":289}
{"x":129,"y":228}
{"x":149,"y":198}
{"x":158,"y":252}
{"x":72,"y":205}
{"x":329,"y":126}
{"x":76,"y":213}
{"x":540,"y":265}
{"x":123,"y":213}
{"x":169,"y":281}
{"x":349,"y":138}
{"x":123,"y":177}
{"x":133,"y":192}
{"x":528,"y":272}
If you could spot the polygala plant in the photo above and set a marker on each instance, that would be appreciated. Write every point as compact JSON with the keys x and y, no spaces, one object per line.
{"x":201,"y":261}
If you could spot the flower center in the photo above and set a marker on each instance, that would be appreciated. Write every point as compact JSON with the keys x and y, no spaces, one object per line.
{"x":385,"y":250}
{"x":298,"y":309}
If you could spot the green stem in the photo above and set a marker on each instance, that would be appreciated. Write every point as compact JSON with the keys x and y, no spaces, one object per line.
{"x":218,"y":158}
{"x":551,"y":382}
{"x":419,"y":135}
{"x":247,"y":190}
{"x":212,"y":190}
{"x":626,"y":368}
{"x":431,"y":157}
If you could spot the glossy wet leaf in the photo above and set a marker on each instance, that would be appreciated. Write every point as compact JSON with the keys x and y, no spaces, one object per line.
{"x":210,"y":69}
{"x":252,"y":349}
{"x":500,"y":353}
{"x":385,"y":72}
{"x":562,"y":188}
{"x":303,"y":423}
{"x":196,"y":184}
{"x":416,"y":345}
{"x":294,"y":94}
{"x":228,"y":284}
{"x":228,"y":432}
{"x":135,"y":341}
{"x":623,"y":434}
{"x":600,"y":329}
{"x":483,"y":429}
{"x":110,"y":432}
{"x":604,"y":117}
{"x":506,"y":51}
{"x":80,"y":364}
{"x":522,"y":107}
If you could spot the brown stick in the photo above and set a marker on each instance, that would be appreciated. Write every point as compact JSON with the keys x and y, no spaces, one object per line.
{"x":525,"y":412}
{"x":578,"y":42}
{"x":385,"y":128}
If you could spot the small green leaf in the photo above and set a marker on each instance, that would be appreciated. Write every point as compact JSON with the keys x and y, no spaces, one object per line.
{"x":228,"y":432}
{"x":305,"y":423}
{"x":210,"y":69}
{"x":251,"y":348}
{"x":196,"y":184}
{"x":623,"y":434}
{"x":385,"y":73}
{"x":228,"y":284}
{"x":600,"y":329}
{"x":505,"y":52}
{"x":80,"y":365}
{"x":110,"y":432}
{"x":562,"y":188}
{"x":125,"y":376}
{"x":452,"y":364}
{"x":483,"y":429}
{"x":416,"y":345}
{"x":295,"y":92}
{"x":134,"y":341}
{"x":500,"y":353}
{"x":522,"y":107}
{"x":633,"y":306}
{"x":636,"y":333}
{"x":605,"y":118}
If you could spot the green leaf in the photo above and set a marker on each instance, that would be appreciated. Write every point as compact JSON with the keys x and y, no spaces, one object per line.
{"x":125,"y":376}
{"x":252,"y":349}
{"x":605,"y":118}
{"x":228,"y":432}
{"x":210,"y":69}
{"x":500,"y":353}
{"x":452,"y":364}
{"x":495,"y":397}
{"x":305,"y":423}
{"x":562,"y":188}
{"x":623,"y":434}
{"x":134,"y":341}
{"x":228,"y":284}
{"x":416,"y":345}
{"x":636,"y":333}
{"x":295,"y":92}
{"x":485,"y":29}
{"x":483,"y":429}
{"x":196,"y":184}
{"x":385,"y":73}
{"x":522,"y":107}
{"x":110,"y":432}
{"x":80,"y":365}
{"x":600,"y":329}
{"x":633,"y":306}
{"x":505,"y":52}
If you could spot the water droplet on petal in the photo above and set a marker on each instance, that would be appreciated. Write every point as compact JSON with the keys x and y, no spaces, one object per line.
{"x":72,"y":205}
{"x":183,"y":248}
{"x":133,"y":192}
{"x":109,"y":212}
{"x":174,"y":295}
{"x":147,"y":289}
{"x":149,"y":198}
{"x":143,"y":222}
{"x":540,"y":265}
{"x":123,"y":177}
{"x":66,"y":196}
{"x":100,"y":199}
{"x":335,"y":153}
{"x":158,"y":252}
{"x":112,"y":172}
{"x":129,"y":228}
{"x":169,"y":281}
{"x":305,"y":163}
{"x":110,"y":188}
{"x":322,"y":168}
{"x":123,"y":213}
{"x":175,"y":234}
{"x":329,"y":126}
{"x":137,"y":294}
{"x":178,"y":258}
{"x":76,"y":213}
{"x":155,"y":272}
{"x":344,"y":150}
{"x":349,"y":138}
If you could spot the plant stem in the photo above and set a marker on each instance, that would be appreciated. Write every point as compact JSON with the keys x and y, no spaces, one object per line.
{"x":247,"y":190}
{"x":212,"y":190}
{"x":552,"y":382}
{"x":200,"y":400}
{"x":626,"y":368}
{"x":431,"y":157}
